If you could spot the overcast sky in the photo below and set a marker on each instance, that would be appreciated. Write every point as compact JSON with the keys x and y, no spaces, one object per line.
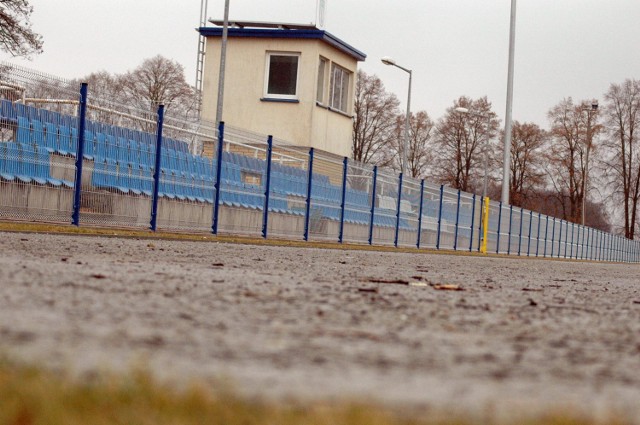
{"x":455,"y":47}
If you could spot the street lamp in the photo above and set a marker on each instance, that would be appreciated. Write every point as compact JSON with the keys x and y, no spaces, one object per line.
{"x":590,"y":111}
{"x":486,"y":147}
{"x":405,"y":144}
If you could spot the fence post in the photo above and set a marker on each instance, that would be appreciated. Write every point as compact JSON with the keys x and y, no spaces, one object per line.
{"x":373,"y":203}
{"x":216,"y":195}
{"x":538,"y":235}
{"x":307,"y":211}
{"x":546,"y":233}
{"x":267,"y":189}
{"x":75,"y":217}
{"x":560,"y":240}
{"x":420,"y":213}
{"x":510,"y":224}
{"x":395,"y":239}
{"x":566,"y":240}
{"x":520,"y":231}
{"x":553,"y":237}
{"x":473,"y":217}
{"x":481,"y":230}
{"x":440,"y":216}
{"x":455,"y":233}
{"x":584,"y":237}
{"x":573,"y":231}
{"x":156,"y":171}
{"x":499,"y":227}
{"x":343,"y":203}
{"x":530,"y":227}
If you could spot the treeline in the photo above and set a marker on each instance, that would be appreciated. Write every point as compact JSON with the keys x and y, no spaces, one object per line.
{"x":590,"y":156}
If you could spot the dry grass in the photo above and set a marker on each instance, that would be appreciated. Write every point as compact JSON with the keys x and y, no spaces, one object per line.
{"x":33,"y":396}
{"x":30,"y":227}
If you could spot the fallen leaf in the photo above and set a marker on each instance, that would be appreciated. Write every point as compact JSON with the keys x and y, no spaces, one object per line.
{"x":636,"y":302}
{"x":98,"y":276}
{"x":446,"y":287}
{"x":532,"y":289}
{"x":420,"y":284}
{"x":391,"y":281}
{"x":368,"y":290}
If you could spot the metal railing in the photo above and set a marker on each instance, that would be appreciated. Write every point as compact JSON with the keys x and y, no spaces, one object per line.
{"x":95,"y":162}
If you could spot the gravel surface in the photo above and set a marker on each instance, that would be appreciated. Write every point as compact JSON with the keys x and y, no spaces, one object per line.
{"x":520,"y":334}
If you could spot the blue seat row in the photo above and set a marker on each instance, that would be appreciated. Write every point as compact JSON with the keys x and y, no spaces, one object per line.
{"x":27,"y":164}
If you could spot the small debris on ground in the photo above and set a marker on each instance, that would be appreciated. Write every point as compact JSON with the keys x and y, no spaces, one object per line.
{"x":389,"y":281}
{"x":446,"y":287}
{"x":368,"y":290}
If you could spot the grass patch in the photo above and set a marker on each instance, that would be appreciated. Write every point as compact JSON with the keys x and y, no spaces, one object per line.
{"x":34,"y":396}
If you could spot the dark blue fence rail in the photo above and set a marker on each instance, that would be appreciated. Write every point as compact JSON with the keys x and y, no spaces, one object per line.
{"x":109,"y":174}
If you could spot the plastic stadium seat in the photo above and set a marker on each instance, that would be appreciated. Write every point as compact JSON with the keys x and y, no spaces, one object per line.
{"x":23,"y":131}
{"x":8,"y":161}
{"x":7,"y":112}
{"x":37,"y":133}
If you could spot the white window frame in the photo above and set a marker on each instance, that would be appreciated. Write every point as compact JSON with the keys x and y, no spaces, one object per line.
{"x":321,"y":85}
{"x":268,"y":95}
{"x":332,"y":88}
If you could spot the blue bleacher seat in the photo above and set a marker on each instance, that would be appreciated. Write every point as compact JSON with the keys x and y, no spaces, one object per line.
{"x":23,"y":131}
{"x":7,"y":112}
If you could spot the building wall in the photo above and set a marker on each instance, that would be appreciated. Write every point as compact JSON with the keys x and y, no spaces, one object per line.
{"x":303,"y":123}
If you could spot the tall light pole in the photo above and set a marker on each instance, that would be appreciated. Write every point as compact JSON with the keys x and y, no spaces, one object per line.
{"x":508,"y":116}
{"x":486,"y":145}
{"x":590,"y":112}
{"x":405,"y":144}
{"x":223,"y":63}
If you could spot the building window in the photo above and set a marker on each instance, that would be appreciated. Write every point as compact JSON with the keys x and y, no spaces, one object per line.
{"x":339,"y":89}
{"x":282,"y":75}
{"x":322,"y":70}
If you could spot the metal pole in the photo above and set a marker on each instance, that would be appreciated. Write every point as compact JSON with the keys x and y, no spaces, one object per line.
{"x":373,"y":203}
{"x":307,"y":211}
{"x":499,"y":229}
{"x":156,"y":171}
{"x":267,"y":189}
{"x":473,"y":217}
{"x":75,"y":217}
{"x":395,"y":239}
{"x":440,"y":217}
{"x":420,"y":213}
{"x":343,"y":203}
{"x":216,"y":195}
{"x":506,"y":170}
{"x":407,"y":124}
{"x":586,"y":167}
{"x":455,"y":235}
{"x":223,"y":62}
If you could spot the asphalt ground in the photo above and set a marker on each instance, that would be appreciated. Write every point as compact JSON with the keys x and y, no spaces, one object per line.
{"x":465,"y":334}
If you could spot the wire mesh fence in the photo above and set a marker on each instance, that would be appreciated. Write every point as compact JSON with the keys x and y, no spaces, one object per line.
{"x":68,"y":156}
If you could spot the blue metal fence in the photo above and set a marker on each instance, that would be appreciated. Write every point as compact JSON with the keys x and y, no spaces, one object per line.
{"x":100,"y":172}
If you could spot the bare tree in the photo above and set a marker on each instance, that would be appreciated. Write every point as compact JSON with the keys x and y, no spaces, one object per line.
{"x":460,"y":139}
{"x":159,"y":81}
{"x":16,"y":36}
{"x":566,"y":157}
{"x":527,"y":160}
{"x":622,"y":116}
{"x":419,"y":152}
{"x":375,"y":113}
